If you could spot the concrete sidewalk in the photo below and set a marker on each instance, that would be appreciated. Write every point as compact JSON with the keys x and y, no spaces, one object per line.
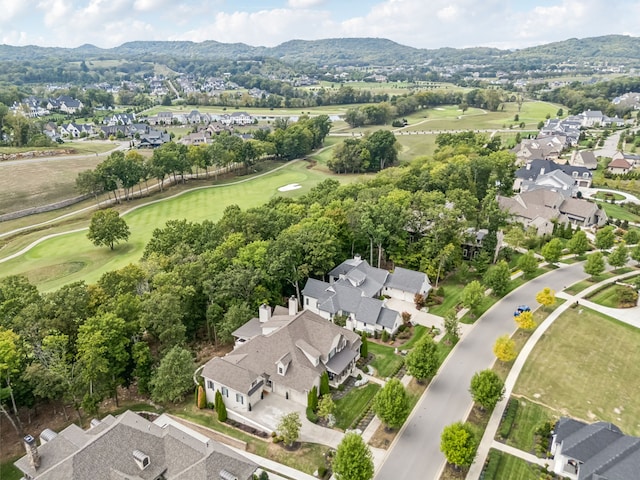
{"x":487,"y":441}
{"x":503,"y":447}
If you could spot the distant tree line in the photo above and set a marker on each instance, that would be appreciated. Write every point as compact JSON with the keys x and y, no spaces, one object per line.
{"x":123,"y":171}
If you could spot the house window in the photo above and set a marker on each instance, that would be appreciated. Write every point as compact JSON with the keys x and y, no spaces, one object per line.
{"x":585,"y":175}
{"x":575,"y":174}
{"x":239,"y":399}
{"x":306,"y":301}
{"x":225,"y":392}
{"x":280,"y":370}
{"x":210,"y":385}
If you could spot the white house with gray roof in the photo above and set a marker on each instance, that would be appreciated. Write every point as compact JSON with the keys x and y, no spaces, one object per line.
{"x":354,"y":289}
{"x":283,"y":353}
{"x":598,"y":451}
{"x":130,"y":447}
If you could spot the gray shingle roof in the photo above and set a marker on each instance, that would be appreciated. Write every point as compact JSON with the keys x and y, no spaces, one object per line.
{"x":258,"y":356}
{"x":534,"y":167}
{"x":107,"y":453}
{"x":406,"y":280}
{"x":604,"y":451}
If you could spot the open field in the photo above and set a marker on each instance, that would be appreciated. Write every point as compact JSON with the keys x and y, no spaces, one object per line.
{"x":449,"y":117}
{"x":257,"y":112}
{"x":72,"y":257}
{"x":40,"y":181}
{"x":575,"y":370}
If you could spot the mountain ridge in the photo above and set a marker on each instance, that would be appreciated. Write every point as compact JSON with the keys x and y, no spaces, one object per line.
{"x":358,"y":51}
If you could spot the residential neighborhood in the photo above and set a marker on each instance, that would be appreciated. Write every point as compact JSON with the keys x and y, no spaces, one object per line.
{"x":343,"y":258}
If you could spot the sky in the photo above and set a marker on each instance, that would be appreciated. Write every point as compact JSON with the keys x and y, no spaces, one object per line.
{"x":418,"y":23}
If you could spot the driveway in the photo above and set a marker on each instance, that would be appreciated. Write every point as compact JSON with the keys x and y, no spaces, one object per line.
{"x":267,"y":413}
{"x":416,"y":450}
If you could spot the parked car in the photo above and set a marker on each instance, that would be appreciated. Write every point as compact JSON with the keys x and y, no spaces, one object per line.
{"x":521,"y":309}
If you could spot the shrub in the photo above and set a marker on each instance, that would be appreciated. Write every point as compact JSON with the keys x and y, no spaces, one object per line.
{"x":406,"y":318}
{"x":311,"y":415}
{"x":385,"y":336}
{"x":492,"y":465}
{"x":322,"y":471}
{"x":419,"y":301}
{"x":508,"y":418}
{"x":202,"y":397}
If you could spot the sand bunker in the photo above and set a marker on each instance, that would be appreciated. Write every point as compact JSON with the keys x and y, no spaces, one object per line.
{"x":291,"y":186}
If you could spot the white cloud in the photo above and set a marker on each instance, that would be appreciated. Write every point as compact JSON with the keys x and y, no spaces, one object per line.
{"x":262,"y":28}
{"x":305,"y":3}
{"x":418,"y":23}
{"x":448,"y":13}
{"x":11,"y":9}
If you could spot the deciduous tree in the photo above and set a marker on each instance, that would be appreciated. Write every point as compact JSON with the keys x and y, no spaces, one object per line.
{"x":552,"y":250}
{"x":605,"y":238}
{"x":528,"y":263}
{"x":459,"y":444}
{"x":472,"y":294}
{"x":487,"y":388}
{"x":579,"y":243}
{"x":391,"y":404}
{"x":595,"y":264}
{"x":505,"y":348}
{"x":498,"y":278}
{"x":289,"y":428}
{"x":619,"y":256}
{"x":353,"y":460}
{"x":174,"y":376}
{"x":107,"y":228}
{"x":525,"y":321}
{"x":422,"y":361}
{"x":546,"y":297}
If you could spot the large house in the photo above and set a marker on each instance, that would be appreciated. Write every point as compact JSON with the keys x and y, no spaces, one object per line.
{"x":283,"y":352}
{"x":541,"y":208}
{"x":620,"y":166}
{"x":584,"y":158}
{"x":632,"y":158}
{"x":581,"y":175}
{"x":129,"y":446}
{"x":65,"y":103}
{"x":598,"y":451}
{"x":354,"y":289}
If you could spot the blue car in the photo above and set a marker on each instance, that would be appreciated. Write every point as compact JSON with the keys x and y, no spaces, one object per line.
{"x":520,"y":309}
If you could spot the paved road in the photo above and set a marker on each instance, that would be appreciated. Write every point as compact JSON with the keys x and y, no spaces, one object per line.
{"x":416,"y":451}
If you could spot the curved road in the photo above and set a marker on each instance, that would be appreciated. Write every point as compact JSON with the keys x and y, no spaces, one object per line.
{"x":416,"y":451}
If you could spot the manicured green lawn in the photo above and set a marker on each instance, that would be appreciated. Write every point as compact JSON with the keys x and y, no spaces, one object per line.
{"x":617,"y":212}
{"x":419,"y":331}
{"x":607,"y":297}
{"x":602,"y":195}
{"x":529,"y":417}
{"x":352,"y":405}
{"x":72,"y":257}
{"x":413,"y":146}
{"x":452,"y":293}
{"x":386,"y":361}
{"x":586,"y":365}
{"x":8,"y":471}
{"x":515,"y":468}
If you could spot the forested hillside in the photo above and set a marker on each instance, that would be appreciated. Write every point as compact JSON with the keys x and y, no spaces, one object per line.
{"x":347,"y":51}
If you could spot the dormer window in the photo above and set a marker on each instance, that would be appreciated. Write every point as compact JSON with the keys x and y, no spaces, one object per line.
{"x":141,"y":458}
